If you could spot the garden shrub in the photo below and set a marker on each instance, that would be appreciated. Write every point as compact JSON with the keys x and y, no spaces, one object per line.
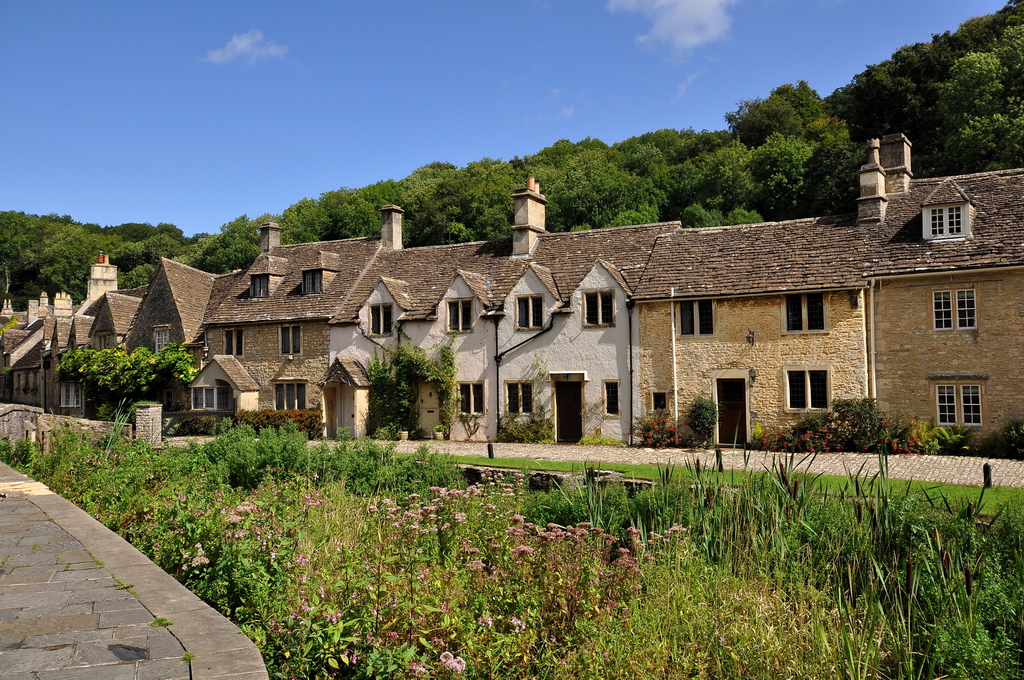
{"x":946,"y":440}
{"x":656,"y":431}
{"x":526,"y":428}
{"x":193,"y":426}
{"x":308,"y":421}
{"x":703,"y":417}
{"x":855,"y":425}
{"x":1007,"y":442}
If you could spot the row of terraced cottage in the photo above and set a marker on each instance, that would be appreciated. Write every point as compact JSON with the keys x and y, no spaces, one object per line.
{"x":916,"y":300}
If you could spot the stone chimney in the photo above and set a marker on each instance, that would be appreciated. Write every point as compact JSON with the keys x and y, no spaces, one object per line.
{"x":529,"y":218}
{"x":8,"y":309}
{"x":33,"y":311}
{"x":44,"y":304}
{"x":270,"y":236}
{"x":872,"y":201}
{"x":102,"y":277}
{"x":895,"y":157}
{"x":391,"y":227}
{"x":62,"y":304}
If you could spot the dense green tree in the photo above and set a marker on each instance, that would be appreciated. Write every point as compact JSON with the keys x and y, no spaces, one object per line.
{"x":779,"y":167}
{"x":758,"y":119}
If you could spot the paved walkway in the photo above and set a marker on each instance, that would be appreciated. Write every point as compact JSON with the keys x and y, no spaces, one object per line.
{"x":77,"y":602}
{"x":962,"y":470}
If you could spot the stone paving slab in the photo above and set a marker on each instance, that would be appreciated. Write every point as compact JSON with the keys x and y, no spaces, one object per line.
{"x":961,"y":470}
{"x":64,"y":614}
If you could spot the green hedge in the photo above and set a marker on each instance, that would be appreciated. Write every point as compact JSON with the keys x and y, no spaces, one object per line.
{"x":308,"y":421}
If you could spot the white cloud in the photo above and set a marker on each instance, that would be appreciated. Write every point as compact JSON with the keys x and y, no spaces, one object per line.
{"x":250,"y":46}
{"x":684,"y":24}
{"x":686,"y":84}
{"x":568,"y":111}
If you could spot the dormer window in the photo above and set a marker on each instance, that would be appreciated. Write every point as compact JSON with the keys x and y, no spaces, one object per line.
{"x":380,"y":319}
{"x":946,"y":221}
{"x":259,"y":286}
{"x":312,"y":281}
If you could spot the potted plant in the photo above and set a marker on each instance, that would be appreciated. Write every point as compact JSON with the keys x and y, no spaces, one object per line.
{"x":439,"y":432}
{"x":403,"y":435}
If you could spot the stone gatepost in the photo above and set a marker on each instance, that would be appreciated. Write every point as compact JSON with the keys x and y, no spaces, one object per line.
{"x":149,"y":423}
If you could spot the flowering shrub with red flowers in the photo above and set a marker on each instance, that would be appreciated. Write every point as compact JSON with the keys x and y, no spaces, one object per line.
{"x":854,"y":425}
{"x":656,"y":431}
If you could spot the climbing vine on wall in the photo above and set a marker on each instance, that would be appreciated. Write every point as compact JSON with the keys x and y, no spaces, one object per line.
{"x":113,"y":375}
{"x":395,"y":378}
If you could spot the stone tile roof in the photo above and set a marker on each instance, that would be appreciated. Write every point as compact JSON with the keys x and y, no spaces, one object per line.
{"x":31,"y":353}
{"x":997,"y":227}
{"x":191,"y":290}
{"x":757,"y":258}
{"x":948,"y":191}
{"x":122,"y":310}
{"x":62,"y":332}
{"x":399,"y":291}
{"x":347,"y":371}
{"x":81,"y":324}
{"x":230,"y":302}
{"x":236,"y":372}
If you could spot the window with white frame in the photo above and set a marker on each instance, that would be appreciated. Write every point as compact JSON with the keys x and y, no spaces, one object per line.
{"x":611,"y":397}
{"x":696,"y":317}
{"x":805,"y":312}
{"x":312,"y":281}
{"x":520,"y":397}
{"x":291,"y":339}
{"x":958,"y":404}
{"x":233,"y":341}
{"x":946,"y":221}
{"x":70,"y":395}
{"x":807,"y":389}
{"x":966,"y":309}
{"x":381,"y":319}
{"x":599,"y":308}
{"x":460,"y":316}
{"x":211,"y":398}
{"x":471,"y":397}
{"x":530,"y":312}
{"x":161,"y":338}
{"x":289,"y":396}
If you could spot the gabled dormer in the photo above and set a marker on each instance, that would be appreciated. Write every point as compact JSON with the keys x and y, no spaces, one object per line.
{"x":385,"y":307}
{"x":317,"y":275}
{"x":946,"y":213}
{"x":468,"y":297}
{"x":264,"y":275}
{"x":533,"y":298}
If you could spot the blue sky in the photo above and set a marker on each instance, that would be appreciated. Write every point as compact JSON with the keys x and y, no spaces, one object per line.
{"x":197,"y":112}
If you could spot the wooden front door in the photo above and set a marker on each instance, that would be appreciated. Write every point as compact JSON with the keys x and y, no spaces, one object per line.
{"x":732,"y":412}
{"x":569,"y":409}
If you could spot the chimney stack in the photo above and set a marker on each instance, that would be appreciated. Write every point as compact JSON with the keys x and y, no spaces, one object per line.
{"x":529,"y":218}
{"x":270,"y":236}
{"x":872,"y":201}
{"x":33,"y":311}
{"x":44,"y":302}
{"x":391,"y":227}
{"x":895,"y":159}
{"x":102,"y":277}
{"x":8,"y":309}
{"x":62,"y":304}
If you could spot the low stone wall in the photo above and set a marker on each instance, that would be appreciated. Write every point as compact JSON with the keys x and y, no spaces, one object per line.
{"x":18,"y":421}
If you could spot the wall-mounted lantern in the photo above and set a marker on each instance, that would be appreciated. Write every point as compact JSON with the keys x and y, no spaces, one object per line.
{"x":750,"y":337}
{"x":753,"y":374}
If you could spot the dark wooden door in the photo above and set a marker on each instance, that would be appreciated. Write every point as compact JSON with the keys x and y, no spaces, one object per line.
{"x":732,"y":412}
{"x":569,"y":406}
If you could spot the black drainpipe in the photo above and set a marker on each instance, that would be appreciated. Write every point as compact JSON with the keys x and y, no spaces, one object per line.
{"x":630,"y":303}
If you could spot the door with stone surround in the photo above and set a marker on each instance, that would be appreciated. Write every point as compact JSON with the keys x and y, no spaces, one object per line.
{"x":569,"y":411}
{"x":732,"y":412}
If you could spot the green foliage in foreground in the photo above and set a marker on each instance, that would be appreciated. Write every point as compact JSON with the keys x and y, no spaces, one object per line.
{"x":350,"y":562}
{"x":114,"y":375}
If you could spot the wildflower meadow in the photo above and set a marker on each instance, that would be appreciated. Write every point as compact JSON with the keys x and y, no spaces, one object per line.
{"x":344,"y":560}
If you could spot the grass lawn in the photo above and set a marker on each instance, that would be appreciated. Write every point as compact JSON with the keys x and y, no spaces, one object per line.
{"x":955,"y":495}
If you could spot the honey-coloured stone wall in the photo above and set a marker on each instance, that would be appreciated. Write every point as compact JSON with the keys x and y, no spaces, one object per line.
{"x":914,"y":358}
{"x":841,"y":349}
{"x":262,"y":358}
